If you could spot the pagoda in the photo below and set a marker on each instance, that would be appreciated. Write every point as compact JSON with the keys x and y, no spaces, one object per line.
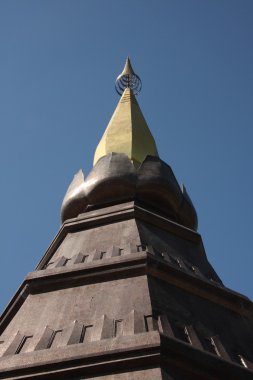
{"x":125,"y":290}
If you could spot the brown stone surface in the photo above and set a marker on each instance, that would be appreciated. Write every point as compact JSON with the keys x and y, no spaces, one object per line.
{"x":60,"y":308}
{"x":125,"y":289}
{"x":148,"y":374}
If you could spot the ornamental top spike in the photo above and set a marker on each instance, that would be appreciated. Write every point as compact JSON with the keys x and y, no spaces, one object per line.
{"x":128,"y":79}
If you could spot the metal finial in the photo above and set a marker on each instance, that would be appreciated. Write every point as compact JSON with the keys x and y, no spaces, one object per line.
{"x":128,"y":79}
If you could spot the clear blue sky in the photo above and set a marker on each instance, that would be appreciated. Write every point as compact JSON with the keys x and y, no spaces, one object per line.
{"x":58,"y":63}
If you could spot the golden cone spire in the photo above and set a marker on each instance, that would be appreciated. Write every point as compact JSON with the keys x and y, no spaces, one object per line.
{"x":127,"y":131}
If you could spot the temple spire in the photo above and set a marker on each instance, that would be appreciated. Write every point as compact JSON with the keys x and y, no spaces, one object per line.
{"x":127,"y":131}
{"x":128,"y":79}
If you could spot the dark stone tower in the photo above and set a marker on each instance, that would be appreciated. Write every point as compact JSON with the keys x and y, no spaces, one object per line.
{"x":125,"y":290}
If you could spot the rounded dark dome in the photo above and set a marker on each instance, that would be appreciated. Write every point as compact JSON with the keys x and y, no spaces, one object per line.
{"x":115,"y":179}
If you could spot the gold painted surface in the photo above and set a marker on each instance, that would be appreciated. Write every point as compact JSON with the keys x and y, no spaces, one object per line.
{"x":127,"y":132}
